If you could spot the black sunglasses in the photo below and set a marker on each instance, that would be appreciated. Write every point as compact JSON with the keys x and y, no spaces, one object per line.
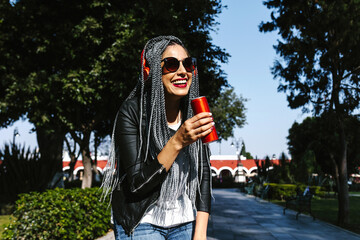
{"x":172,"y":64}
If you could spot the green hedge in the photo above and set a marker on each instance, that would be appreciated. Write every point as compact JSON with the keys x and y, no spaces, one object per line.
{"x":60,"y":214}
{"x":281,"y":191}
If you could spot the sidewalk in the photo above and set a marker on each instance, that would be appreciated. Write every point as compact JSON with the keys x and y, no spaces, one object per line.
{"x":236,"y":215}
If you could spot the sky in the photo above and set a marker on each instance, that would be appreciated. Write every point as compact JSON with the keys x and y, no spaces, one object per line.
{"x":248,"y":71}
{"x":268,"y":116}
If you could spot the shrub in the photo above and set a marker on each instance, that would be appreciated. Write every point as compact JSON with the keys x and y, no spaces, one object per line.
{"x":60,"y":214}
{"x":355,"y":187}
{"x":22,"y":171}
{"x":281,"y":191}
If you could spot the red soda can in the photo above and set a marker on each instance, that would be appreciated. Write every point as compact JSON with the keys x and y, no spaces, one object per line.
{"x":199,"y":105}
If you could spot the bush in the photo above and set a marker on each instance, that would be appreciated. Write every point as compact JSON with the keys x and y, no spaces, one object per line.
{"x":355,"y":187}
{"x":281,"y":191}
{"x":22,"y":171}
{"x":60,"y":214}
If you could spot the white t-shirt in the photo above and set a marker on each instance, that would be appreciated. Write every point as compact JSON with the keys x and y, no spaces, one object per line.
{"x":181,"y":212}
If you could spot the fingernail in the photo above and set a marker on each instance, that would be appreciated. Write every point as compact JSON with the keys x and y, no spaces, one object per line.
{"x":213,"y":123}
{"x":210,"y":114}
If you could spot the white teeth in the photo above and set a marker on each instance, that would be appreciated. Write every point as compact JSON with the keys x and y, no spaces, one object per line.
{"x":179,"y":82}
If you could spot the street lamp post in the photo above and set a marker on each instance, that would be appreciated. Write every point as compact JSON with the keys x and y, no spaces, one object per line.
{"x":239,"y":174}
{"x":16,"y":134}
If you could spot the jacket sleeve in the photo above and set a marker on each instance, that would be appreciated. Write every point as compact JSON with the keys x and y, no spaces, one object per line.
{"x":203,"y":200}
{"x":142,"y":176}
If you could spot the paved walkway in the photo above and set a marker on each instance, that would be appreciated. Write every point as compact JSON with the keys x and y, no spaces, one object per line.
{"x":236,"y":215}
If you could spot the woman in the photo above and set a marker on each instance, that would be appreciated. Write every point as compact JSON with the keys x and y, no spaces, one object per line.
{"x":161,"y":186}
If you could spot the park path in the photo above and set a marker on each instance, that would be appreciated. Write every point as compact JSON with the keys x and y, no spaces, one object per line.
{"x":236,"y":215}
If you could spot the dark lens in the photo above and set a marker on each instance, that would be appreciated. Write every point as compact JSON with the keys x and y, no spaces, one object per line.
{"x":171,"y":64}
{"x":189,"y":64}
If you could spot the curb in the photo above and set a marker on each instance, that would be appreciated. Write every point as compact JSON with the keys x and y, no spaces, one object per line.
{"x":108,"y":236}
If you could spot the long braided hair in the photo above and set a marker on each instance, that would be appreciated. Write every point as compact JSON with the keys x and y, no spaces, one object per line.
{"x":182,"y":176}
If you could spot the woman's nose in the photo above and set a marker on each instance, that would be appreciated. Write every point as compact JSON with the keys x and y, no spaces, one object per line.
{"x":181,"y":69}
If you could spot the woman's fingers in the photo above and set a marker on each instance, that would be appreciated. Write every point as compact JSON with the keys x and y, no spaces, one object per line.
{"x":199,"y":120}
{"x":199,"y":125}
{"x":199,"y":116}
{"x":195,"y":128}
{"x":204,"y":130}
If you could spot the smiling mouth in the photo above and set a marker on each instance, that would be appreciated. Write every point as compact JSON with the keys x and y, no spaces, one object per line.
{"x":181,"y":83}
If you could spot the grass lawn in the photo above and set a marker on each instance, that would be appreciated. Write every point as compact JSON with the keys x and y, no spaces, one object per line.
{"x":4,"y":219}
{"x":327,"y":209}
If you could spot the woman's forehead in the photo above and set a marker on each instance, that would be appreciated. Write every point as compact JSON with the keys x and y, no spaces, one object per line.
{"x":176,"y":51}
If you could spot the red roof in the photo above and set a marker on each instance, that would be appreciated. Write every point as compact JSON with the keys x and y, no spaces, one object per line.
{"x":231,"y":161}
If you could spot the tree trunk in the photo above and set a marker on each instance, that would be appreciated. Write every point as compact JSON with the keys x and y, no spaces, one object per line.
{"x":86,"y":158}
{"x":72,"y":164}
{"x":343,"y":214}
{"x":96,"y":145}
{"x":50,"y":144}
{"x":336,"y":173}
{"x":73,"y":159}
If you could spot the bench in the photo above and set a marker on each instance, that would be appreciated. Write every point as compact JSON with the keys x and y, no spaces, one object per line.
{"x":301,"y":203}
{"x":250,"y":189}
{"x":263,"y":192}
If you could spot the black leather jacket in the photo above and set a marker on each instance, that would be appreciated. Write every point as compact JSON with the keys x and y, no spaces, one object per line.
{"x":143,"y":178}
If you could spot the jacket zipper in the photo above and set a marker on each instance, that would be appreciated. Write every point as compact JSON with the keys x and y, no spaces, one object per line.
{"x":148,"y":180}
{"x":158,"y":171}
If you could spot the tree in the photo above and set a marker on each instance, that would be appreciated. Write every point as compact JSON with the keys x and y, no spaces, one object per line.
{"x":73,"y":154}
{"x":244,"y":153}
{"x":21,"y":171}
{"x":303,"y":142}
{"x":229,"y":112}
{"x":263,"y":167}
{"x":285,"y":169}
{"x":281,"y":173}
{"x":319,"y":66}
{"x":314,"y":146}
{"x":67,"y":66}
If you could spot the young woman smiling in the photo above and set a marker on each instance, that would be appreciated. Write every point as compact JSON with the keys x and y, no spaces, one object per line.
{"x":160,"y":181}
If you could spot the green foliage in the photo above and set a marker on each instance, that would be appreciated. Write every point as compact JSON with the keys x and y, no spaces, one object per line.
{"x":229,"y":112}
{"x":320,"y":52}
{"x":244,"y":153}
{"x":327,"y":210}
{"x":78,"y":67}
{"x":262,"y":170}
{"x":282,"y":173}
{"x":310,"y":144}
{"x":281,"y":191}
{"x":60,"y":214}
{"x":314,"y":146}
{"x":355,"y":187}
{"x":4,"y":221}
{"x":68,"y":66}
{"x":319,"y":67}
{"x":21,"y":171}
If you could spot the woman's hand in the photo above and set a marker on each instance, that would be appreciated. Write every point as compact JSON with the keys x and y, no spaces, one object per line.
{"x":194,"y":128}
{"x":190,"y":131}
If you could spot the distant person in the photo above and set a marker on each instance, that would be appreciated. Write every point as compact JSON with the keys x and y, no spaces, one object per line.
{"x":161,"y":181}
{"x":306,"y":191}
